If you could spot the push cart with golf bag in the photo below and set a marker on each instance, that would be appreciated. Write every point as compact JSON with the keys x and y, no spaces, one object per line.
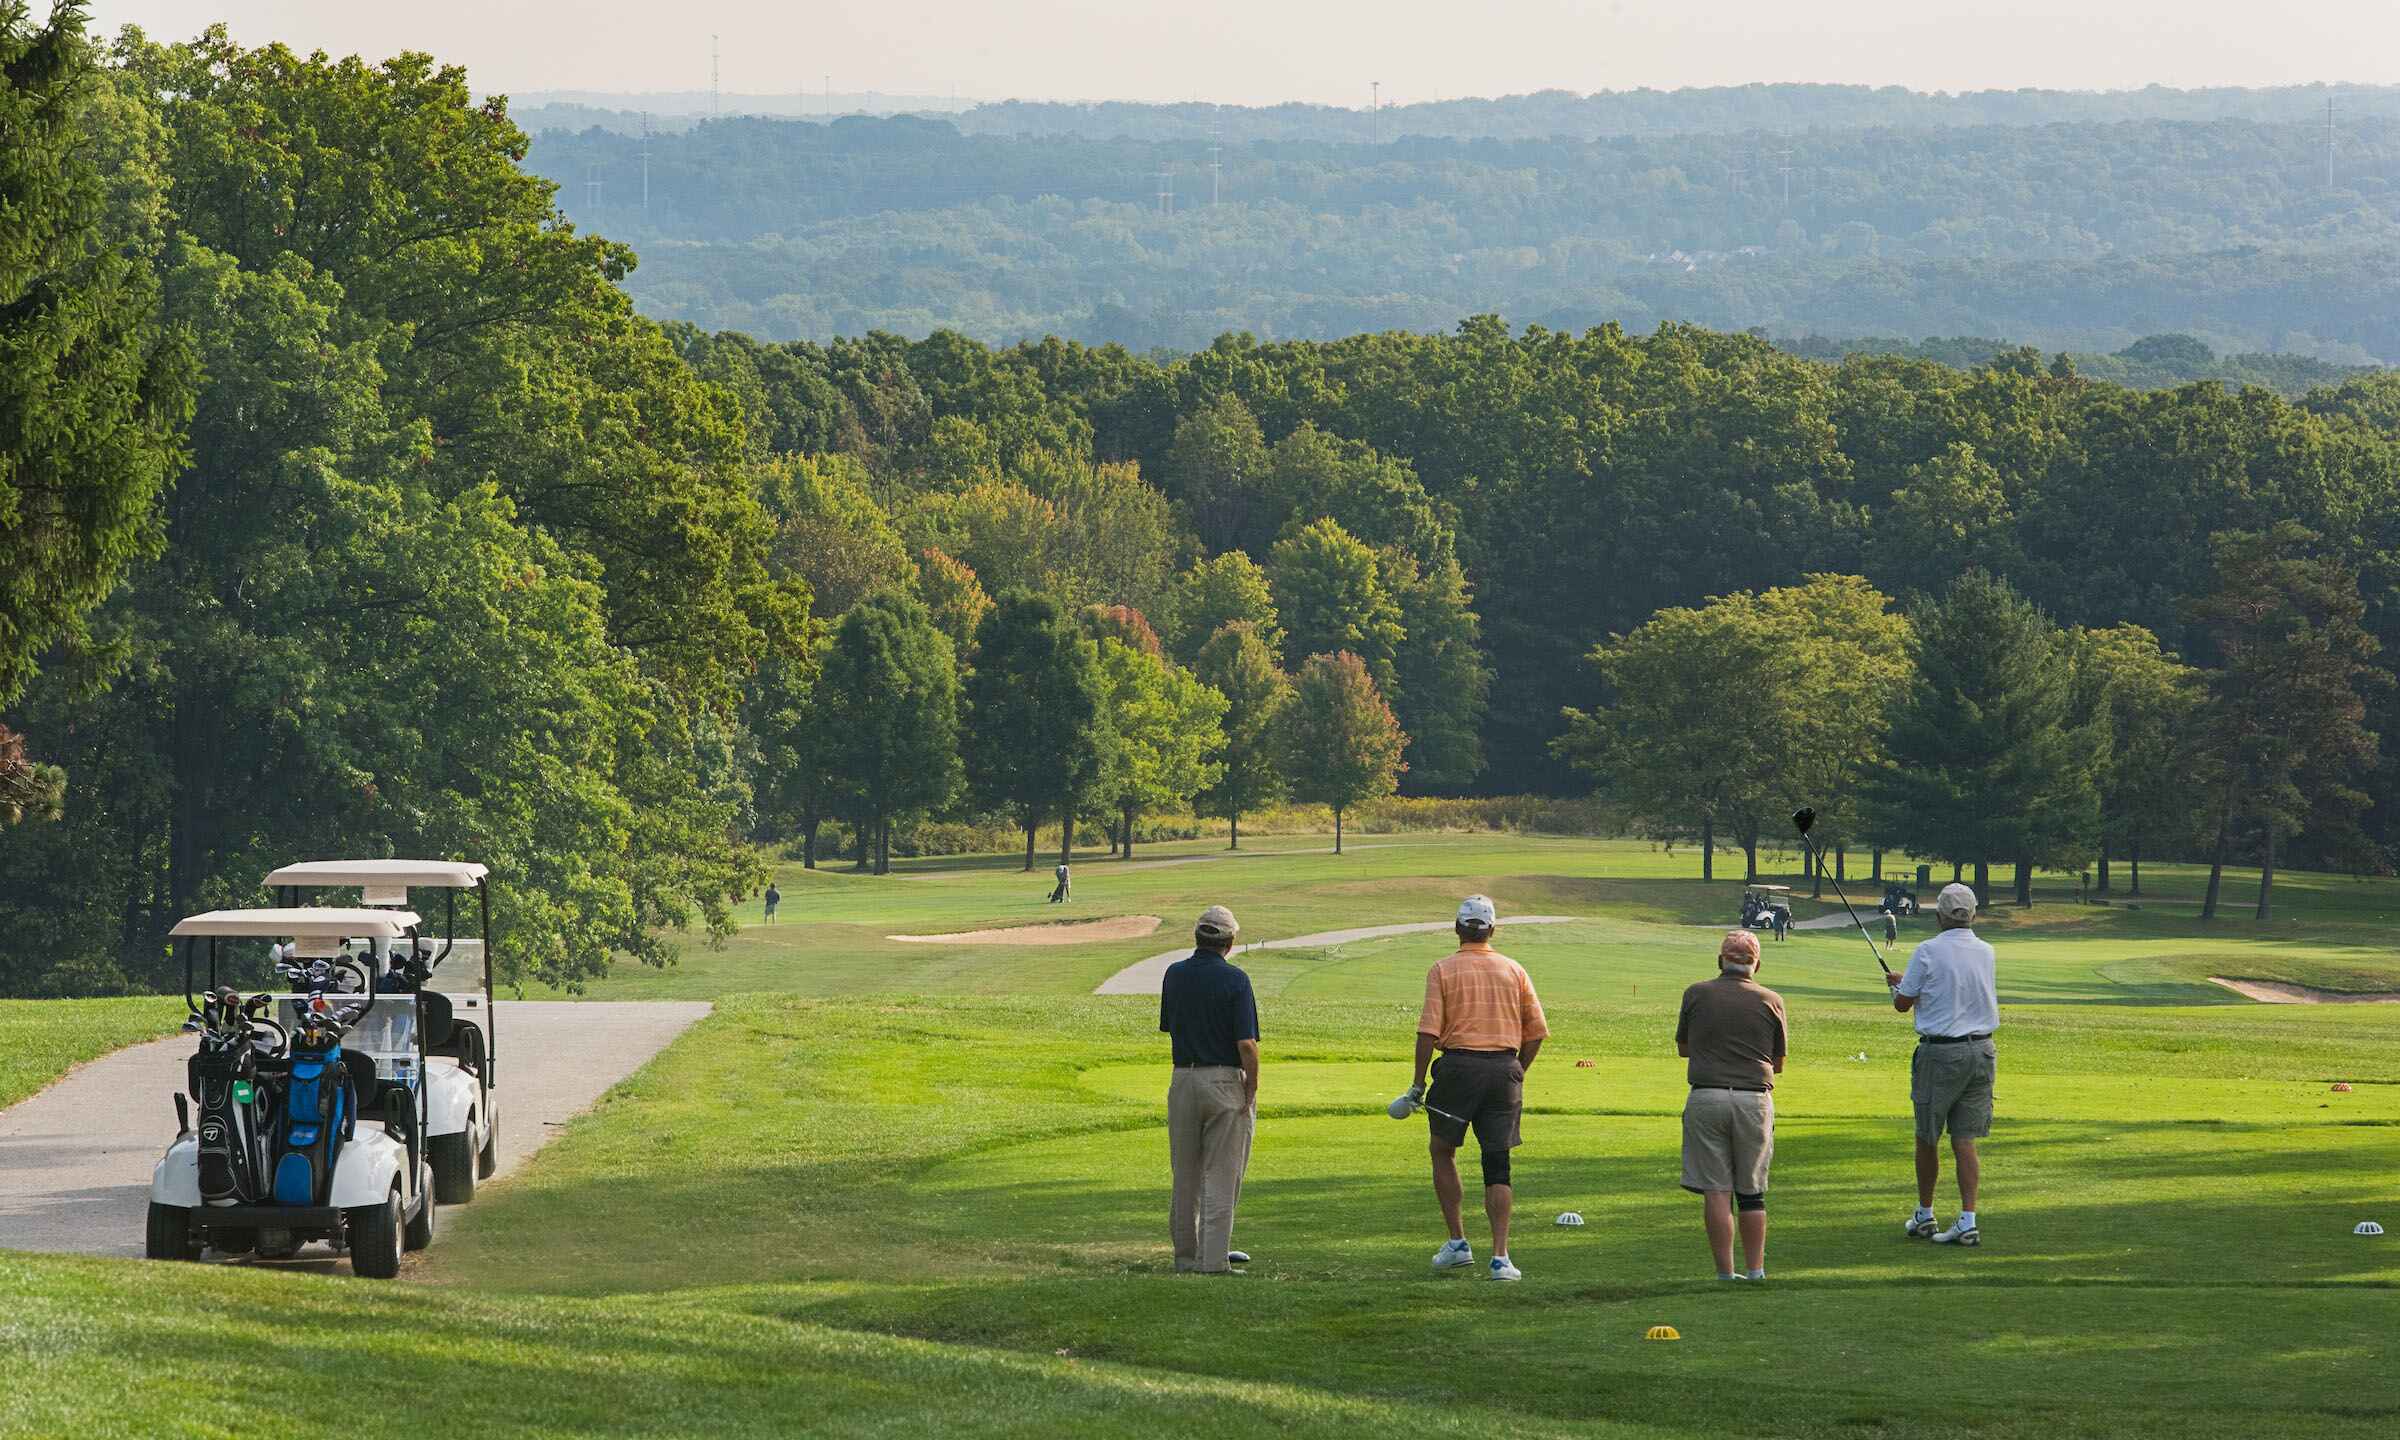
{"x":312,"y":1106}
{"x":452,"y":976}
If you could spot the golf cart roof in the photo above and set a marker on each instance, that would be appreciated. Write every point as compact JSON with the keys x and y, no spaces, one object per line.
{"x":322,"y":922}
{"x":436,"y":874}
{"x":1774,"y":889}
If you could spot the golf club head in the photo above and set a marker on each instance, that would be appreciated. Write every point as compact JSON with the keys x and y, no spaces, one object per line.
{"x":1804,"y":818}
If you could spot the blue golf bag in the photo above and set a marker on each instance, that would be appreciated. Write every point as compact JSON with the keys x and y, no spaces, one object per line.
{"x":320,"y":1108}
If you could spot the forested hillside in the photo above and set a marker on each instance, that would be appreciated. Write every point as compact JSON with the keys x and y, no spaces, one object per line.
{"x":2082,"y":236}
{"x":400,"y":530}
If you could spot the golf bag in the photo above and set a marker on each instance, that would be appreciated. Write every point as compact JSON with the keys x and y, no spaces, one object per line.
{"x":236,"y":1117}
{"x":319,"y":1108}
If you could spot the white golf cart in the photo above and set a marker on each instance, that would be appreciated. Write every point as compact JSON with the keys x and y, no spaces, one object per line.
{"x":312,"y":1110}
{"x":453,"y":977}
{"x":1767,"y":907}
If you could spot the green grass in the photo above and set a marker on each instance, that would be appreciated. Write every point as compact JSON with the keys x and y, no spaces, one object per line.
{"x":41,"y":1039}
{"x":840,"y":1208}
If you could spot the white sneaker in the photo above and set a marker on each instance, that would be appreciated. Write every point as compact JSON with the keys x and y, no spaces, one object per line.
{"x":1959,"y":1233}
{"x":1920,"y":1227}
{"x":1502,"y":1270}
{"x":1453,"y":1254}
{"x":1237,"y":1257}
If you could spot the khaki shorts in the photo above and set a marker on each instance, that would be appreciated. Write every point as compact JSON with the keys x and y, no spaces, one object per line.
{"x":1951,"y":1086}
{"x":1728,"y":1141}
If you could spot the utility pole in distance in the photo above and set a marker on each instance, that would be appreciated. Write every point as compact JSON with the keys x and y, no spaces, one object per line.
{"x":712,"y":78}
{"x":1166,"y":192}
{"x":645,"y":167}
{"x":1374,"y":112}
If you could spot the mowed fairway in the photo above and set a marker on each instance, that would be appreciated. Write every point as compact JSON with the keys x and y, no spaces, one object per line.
{"x":895,"y":1189}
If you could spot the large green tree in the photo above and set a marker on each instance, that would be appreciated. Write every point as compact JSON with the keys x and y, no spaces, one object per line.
{"x":1985,"y":760}
{"x":1340,"y":742}
{"x":1223,"y":590}
{"x":1168,"y":728}
{"x":1240,"y":665}
{"x":891,"y":705}
{"x":1332,"y":594}
{"x":2148,"y":701}
{"x":93,"y":386}
{"x":1037,"y":736}
{"x":2286,"y":731}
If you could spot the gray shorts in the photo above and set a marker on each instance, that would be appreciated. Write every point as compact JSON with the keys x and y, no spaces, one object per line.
{"x":1728,"y":1141}
{"x":1952,"y":1088}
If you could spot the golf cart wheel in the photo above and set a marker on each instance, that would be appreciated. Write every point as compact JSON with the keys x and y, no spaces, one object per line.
{"x":375,"y":1238}
{"x":419,"y":1233}
{"x":487,"y":1160}
{"x":454,"y":1168}
{"x":170,"y":1234}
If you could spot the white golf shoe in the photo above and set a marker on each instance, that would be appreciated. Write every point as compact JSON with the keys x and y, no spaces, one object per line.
{"x":1502,"y":1270}
{"x":1453,"y":1254}
{"x":1920,"y":1226}
{"x":1959,"y":1233}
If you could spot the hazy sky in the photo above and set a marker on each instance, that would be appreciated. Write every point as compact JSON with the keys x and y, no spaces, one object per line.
{"x":1260,"y":51}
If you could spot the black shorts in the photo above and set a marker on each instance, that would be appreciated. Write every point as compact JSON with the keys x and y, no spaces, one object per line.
{"x":1484,"y":1089}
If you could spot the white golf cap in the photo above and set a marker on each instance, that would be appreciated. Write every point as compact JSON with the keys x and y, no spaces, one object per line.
{"x":1218,"y":921}
{"x":1956,"y":902}
{"x":1479,"y":912}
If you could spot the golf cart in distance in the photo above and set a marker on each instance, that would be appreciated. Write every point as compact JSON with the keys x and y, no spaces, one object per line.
{"x":454,"y":979}
{"x":312,"y":1116}
{"x":1899,"y":899}
{"x":1767,"y":907}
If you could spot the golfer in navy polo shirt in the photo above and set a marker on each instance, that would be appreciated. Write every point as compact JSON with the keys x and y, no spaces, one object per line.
{"x":1212,"y":1104}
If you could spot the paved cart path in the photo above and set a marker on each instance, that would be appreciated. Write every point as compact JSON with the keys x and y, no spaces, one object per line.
{"x":1144,"y":977}
{"x":75,"y":1160}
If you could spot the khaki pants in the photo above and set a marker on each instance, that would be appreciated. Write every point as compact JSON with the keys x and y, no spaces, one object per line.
{"x":1208,"y":1137}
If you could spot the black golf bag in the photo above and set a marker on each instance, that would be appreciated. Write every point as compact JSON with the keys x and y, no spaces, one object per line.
{"x":320,"y":1108}
{"x":236,"y":1117}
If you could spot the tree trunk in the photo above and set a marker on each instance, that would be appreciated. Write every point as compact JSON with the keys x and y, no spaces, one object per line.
{"x":1983,"y":882}
{"x":2133,"y":864}
{"x":1750,"y":859}
{"x":2025,"y":881}
{"x":863,"y":832}
{"x":2216,"y":868}
{"x":1032,"y":822}
{"x":1956,"y":871}
{"x":1816,"y":872}
{"x":1708,"y":848}
{"x":1877,"y":876}
{"x":1233,"y":824}
{"x":1841,"y":862}
{"x":808,"y":842}
{"x":1129,"y":832}
{"x":2103,"y":887}
{"x":1066,"y":835}
{"x":2266,"y":878}
{"x":1337,"y":829}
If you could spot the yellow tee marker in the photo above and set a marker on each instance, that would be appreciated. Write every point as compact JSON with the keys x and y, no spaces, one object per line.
{"x":1662,"y":1332}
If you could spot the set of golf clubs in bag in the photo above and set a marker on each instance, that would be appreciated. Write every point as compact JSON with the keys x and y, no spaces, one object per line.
{"x":1803,"y":820}
{"x":277,"y":1102}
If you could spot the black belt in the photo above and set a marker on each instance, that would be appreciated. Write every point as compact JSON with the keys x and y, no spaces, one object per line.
{"x":1208,"y":1065}
{"x":1736,"y":1089}
{"x":1951,"y":1039}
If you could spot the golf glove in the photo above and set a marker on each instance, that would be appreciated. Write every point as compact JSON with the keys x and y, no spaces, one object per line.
{"x":1406,"y":1105}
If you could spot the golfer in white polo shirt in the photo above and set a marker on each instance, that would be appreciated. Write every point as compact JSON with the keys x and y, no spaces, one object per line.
{"x":1951,"y":988}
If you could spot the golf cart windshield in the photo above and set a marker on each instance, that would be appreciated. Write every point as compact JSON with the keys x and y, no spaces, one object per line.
{"x":387,"y":1032}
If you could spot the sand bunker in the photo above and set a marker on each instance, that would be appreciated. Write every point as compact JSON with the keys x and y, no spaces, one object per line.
{"x":2276,"y":992}
{"x":1057,"y":932}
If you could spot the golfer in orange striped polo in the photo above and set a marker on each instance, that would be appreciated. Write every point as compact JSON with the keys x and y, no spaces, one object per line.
{"x":1482,"y":1015}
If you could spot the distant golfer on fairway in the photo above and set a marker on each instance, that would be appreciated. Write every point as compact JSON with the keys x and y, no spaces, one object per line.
{"x":1732,"y":1030}
{"x":1950,"y":984}
{"x":774,"y":898}
{"x":1058,"y":894}
{"x":1206,"y":1004}
{"x":1481,"y":1013}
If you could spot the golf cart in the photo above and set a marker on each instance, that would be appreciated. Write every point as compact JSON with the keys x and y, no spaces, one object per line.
{"x":1767,"y":907}
{"x":453,"y":978}
{"x":1899,"y":899}
{"x":312,"y":1114}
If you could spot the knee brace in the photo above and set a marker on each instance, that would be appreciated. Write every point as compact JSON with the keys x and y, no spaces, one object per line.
{"x":1747,"y":1203}
{"x":1495,"y":1167}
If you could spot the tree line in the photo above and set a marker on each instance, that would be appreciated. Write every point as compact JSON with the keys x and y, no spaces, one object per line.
{"x":394,"y":527}
{"x":2080,"y":235}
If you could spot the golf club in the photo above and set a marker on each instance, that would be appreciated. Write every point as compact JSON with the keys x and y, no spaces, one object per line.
{"x":1803,"y":819}
{"x":1417,"y":1105}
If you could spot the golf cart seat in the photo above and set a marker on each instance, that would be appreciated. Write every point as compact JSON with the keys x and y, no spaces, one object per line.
{"x":435,"y":1015}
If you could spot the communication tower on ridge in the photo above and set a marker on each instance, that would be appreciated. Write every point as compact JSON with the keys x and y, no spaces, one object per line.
{"x":712,"y":78}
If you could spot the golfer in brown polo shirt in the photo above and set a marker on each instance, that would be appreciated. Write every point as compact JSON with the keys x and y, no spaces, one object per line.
{"x":1732,"y":1030}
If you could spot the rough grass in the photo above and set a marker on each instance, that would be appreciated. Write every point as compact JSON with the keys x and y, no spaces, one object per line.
{"x":41,"y":1040}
